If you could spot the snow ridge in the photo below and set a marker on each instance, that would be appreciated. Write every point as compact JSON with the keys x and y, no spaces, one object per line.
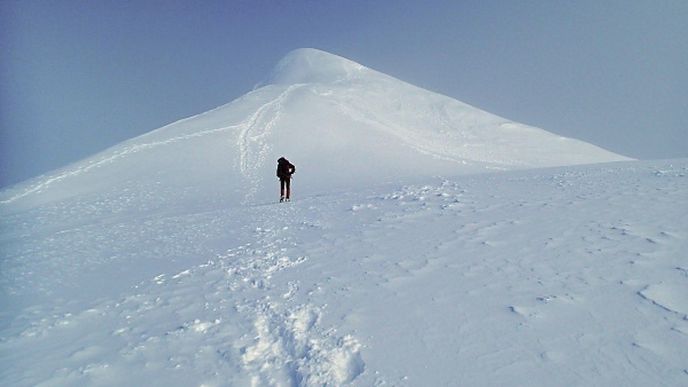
{"x":117,"y":152}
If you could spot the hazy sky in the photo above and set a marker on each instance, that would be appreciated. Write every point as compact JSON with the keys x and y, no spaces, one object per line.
{"x":79,"y":76}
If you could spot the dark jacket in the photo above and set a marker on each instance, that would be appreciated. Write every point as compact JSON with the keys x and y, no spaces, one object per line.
{"x":285,"y":169}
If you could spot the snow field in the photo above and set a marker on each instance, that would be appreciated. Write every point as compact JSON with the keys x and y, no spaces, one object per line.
{"x":535,"y":278}
{"x":165,"y":261}
{"x":218,"y":323}
{"x":572,"y":275}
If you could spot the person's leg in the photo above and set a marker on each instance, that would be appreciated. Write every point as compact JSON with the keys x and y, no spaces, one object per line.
{"x":288,"y":188}
{"x":282,"y":184}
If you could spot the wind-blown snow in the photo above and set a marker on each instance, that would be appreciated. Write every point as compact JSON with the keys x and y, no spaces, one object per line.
{"x":166,"y":261}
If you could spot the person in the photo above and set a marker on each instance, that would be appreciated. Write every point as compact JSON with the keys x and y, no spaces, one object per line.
{"x":284,"y":171}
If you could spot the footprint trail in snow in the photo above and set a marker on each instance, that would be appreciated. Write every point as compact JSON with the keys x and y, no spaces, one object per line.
{"x":224,"y":322}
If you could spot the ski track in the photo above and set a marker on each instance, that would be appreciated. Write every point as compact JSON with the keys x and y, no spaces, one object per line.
{"x":253,"y":147}
{"x":252,"y":131}
{"x":128,"y":150}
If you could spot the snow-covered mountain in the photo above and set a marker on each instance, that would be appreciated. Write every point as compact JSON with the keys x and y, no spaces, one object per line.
{"x":341,"y":123}
{"x":166,"y":261}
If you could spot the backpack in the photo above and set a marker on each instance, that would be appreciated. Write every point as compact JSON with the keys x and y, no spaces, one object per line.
{"x":284,"y":168}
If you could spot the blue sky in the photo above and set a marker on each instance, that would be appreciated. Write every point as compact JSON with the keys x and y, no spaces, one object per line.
{"x":79,"y":76}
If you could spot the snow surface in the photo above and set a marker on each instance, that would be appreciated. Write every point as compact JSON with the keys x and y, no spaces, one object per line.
{"x":343,"y":124}
{"x":166,"y":261}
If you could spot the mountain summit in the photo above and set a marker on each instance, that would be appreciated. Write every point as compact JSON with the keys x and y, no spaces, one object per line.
{"x":340,"y":122}
{"x":309,"y":65}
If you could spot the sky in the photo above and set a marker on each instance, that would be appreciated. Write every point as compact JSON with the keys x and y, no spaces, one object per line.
{"x":77,"y":77}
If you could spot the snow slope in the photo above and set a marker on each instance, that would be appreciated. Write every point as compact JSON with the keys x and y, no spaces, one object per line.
{"x":341,"y":123}
{"x":565,"y":276}
{"x":166,"y":261}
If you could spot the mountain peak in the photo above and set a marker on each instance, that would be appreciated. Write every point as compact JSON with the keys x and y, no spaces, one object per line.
{"x":324,"y":109}
{"x":310,"y":65}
